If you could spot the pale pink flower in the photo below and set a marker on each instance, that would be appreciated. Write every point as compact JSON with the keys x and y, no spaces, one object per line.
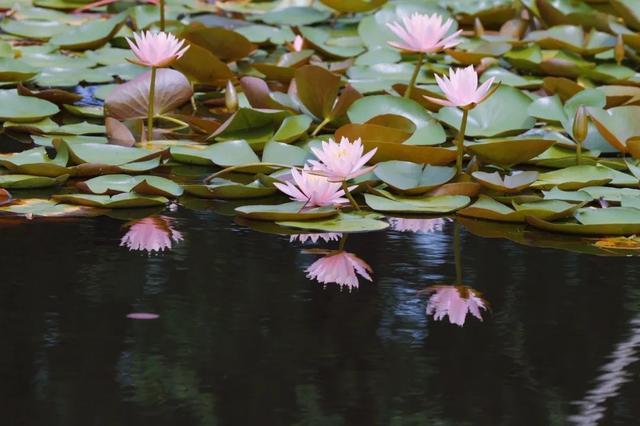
{"x":154,"y":233}
{"x":143,"y":316}
{"x":455,"y":302}
{"x":325,"y":236}
{"x":341,"y":161}
{"x":339,"y":268}
{"x":313,"y":190}
{"x":461,"y":88}
{"x":419,"y":226}
{"x":423,"y":33}
{"x":298,"y":43}
{"x":156,"y":49}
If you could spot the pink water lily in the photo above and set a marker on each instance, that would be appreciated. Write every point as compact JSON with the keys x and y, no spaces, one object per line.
{"x":314,"y":238}
{"x":424,"y":33}
{"x":298,"y":44}
{"x":152,"y":234}
{"x":461,"y":88}
{"x":156,"y":50}
{"x":313,"y":190}
{"x":339,"y":268}
{"x":455,"y":302}
{"x":420,"y":226}
{"x":341,"y":161}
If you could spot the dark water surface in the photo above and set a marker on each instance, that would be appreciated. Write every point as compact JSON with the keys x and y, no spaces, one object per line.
{"x":244,"y":338}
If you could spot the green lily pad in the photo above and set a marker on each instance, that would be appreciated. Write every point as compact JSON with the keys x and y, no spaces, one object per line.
{"x":113,"y":155}
{"x":30,"y":181}
{"x":512,"y":183}
{"x":119,"y":201}
{"x":343,"y":223}
{"x":412,"y":178}
{"x":575,"y":177}
{"x":488,"y":208}
{"x":427,"y":130}
{"x":146,"y":185}
{"x":24,"y":109}
{"x":90,"y":35}
{"x":429,"y":205}
{"x":509,"y":151}
{"x":228,"y":190}
{"x":504,"y":113}
{"x":293,"y":211}
{"x":36,"y":162}
{"x":581,"y":229}
{"x":36,"y":207}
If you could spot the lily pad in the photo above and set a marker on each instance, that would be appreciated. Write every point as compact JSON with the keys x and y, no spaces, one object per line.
{"x":488,"y":208}
{"x":24,"y":109}
{"x":509,"y":151}
{"x":575,"y":177}
{"x":412,"y":178}
{"x":228,"y":190}
{"x":343,"y":223}
{"x":293,"y":211}
{"x":119,"y":201}
{"x":428,"y":205}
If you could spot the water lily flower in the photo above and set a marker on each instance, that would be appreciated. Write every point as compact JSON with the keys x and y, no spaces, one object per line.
{"x":313,"y":190}
{"x":143,"y":316}
{"x":298,"y":43}
{"x":155,"y":50}
{"x":461,"y":88}
{"x":340,"y":268}
{"x":419,"y":226}
{"x":152,"y":234}
{"x":455,"y":302}
{"x":423,"y":33}
{"x":325,"y":236}
{"x":342,"y":161}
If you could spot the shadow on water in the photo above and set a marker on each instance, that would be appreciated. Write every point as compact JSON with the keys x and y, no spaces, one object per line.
{"x":244,"y":337}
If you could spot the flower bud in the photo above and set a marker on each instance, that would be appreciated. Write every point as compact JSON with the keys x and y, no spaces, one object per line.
{"x":618,"y":50}
{"x":581,"y":124}
{"x":478,"y":28}
{"x":231,"y":97}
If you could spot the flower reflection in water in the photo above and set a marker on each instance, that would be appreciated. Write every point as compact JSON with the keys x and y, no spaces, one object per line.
{"x":152,"y":234}
{"x":339,"y":267}
{"x":455,"y":302}
{"x":314,"y":238}
{"x":419,"y":226}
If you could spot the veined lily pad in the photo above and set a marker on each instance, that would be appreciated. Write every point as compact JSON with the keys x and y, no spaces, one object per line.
{"x":293,"y":211}
{"x":119,"y":201}
{"x":412,"y":178}
{"x":509,"y":151}
{"x":488,"y":208}
{"x":343,"y":223}
{"x":429,"y":205}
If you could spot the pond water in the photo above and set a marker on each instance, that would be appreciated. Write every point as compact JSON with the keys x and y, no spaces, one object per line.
{"x":244,"y":338}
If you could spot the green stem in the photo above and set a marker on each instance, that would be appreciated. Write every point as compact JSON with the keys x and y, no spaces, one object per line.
{"x":345,"y":187}
{"x":152,"y":89}
{"x":460,"y":140}
{"x":180,"y":123}
{"x":578,"y":153}
{"x":414,"y":77}
{"x":321,"y":126}
{"x":161,"y":5}
{"x":457,"y":252}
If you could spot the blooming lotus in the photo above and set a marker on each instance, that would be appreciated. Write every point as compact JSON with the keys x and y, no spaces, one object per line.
{"x":157,"y":50}
{"x":325,"y":236}
{"x":154,"y":233}
{"x":313,"y":190}
{"x":341,"y":161}
{"x":339,"y":268}
{"x":420,"y":226}
{"x":298,"y":44}
{"x":455,"y":302}
{"x":461,"y":88}
{"x":424,"y":33}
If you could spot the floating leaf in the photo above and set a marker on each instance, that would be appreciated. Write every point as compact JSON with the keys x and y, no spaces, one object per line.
{"x":412,"y":178}
{"x":229,"y":190}
{"x":512,"y":183}
{"x":343,"y":223}
{"x":119,"y":201}
{"x":30,"y":181}
{"x":573,"y":178}
{"x":509,"y":151}
{"x":293,"y":211}
{"x":23,"y":109}
{"x":429,"y":205}
{"x":488,"y":208}
{"x":90,"y":35}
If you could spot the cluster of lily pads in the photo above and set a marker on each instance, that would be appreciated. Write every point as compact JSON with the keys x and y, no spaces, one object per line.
{"x":548,"y":137}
